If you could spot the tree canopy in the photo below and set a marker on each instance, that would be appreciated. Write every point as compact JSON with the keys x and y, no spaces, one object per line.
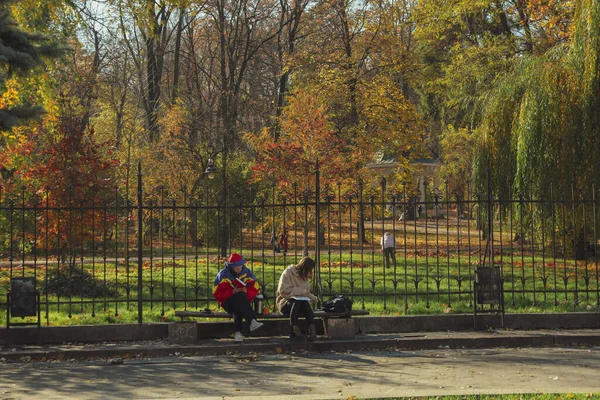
{"x":540,"y":125}
{"x":265,"y":88}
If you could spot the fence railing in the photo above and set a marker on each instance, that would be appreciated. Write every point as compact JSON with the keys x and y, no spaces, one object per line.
{"x":116,"y":259}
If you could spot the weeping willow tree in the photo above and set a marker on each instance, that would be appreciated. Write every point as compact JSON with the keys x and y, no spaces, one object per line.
{"x":540,"y":135}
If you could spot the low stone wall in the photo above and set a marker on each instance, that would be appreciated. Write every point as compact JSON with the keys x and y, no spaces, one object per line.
{"x":368,"y":324}
{"x":84,"y":333}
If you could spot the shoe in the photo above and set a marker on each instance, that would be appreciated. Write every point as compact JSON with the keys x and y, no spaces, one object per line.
{"x":254,"y":325}
{"x":237,"y":337}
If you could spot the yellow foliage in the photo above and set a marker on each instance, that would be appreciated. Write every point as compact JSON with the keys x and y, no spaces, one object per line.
{"x":10,"y":96}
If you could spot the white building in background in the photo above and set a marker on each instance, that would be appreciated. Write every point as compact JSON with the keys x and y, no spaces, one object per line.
{"x":425,"y":169}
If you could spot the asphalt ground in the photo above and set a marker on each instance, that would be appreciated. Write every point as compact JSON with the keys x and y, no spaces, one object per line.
{"x":278,"y":345}
{"x":368,"y":366}
{"x":393,"y":372}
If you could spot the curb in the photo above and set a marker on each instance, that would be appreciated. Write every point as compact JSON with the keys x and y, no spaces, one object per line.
{"x":370,"y":325}
{"x":478,"y":341}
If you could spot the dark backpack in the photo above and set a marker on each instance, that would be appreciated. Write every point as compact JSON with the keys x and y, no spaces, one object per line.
{"x":339,"y":303}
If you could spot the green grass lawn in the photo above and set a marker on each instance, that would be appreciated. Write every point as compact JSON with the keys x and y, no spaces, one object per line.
{"x":102,"y":292}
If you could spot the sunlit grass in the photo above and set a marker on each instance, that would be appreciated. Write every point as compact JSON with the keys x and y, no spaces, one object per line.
{"x":434,"y":273}
{"x":419,"y":285}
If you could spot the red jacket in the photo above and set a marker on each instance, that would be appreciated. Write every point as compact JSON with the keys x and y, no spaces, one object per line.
{"x":223,"y":285}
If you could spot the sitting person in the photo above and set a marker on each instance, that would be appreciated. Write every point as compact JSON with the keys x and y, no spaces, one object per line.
{"x":235,"y":287}
{"x":294,"y":297}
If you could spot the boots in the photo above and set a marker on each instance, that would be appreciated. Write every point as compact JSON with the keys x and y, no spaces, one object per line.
{"x":296,"y":333}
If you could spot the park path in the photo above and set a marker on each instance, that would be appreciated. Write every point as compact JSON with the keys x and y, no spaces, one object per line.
{"x":303,"y":375}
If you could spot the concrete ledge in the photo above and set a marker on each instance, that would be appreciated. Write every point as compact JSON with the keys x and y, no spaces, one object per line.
{"x":366,"y":324}
{"x":553,"y":321}
{"x":273,"y":327}
{"x":183,"y":333}
{"x":573,"y":340}
{"x":340,"y":328}
{"x":84,"y":333}
{"x":469,"y":340}
{"x":274,"y":315}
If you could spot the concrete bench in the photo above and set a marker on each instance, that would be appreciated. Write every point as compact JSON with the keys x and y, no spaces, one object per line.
{"x":335,"y":324}
{"x":273,"y":315}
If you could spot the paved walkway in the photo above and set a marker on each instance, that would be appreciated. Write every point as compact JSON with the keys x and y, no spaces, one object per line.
{"x":307,"y":375}
{"x":369,"y":366}
{"x":276,"y":345}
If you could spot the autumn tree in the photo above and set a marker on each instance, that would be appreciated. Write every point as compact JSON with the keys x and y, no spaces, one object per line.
{"x":358,"y":63}
{"x":241,"y":29}
{"x":146,"y":29}
{"x":290,"y":24}
{"x":20,"y":53}
{"x":307,"y":136}
{"x":540,"y":129}
{"x":58,"y":159}
{"x":353,"y":61}
{"x":465,"y":45}
{"x":459,"y":147}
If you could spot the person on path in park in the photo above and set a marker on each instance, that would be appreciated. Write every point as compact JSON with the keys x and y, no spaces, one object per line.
{"x":388,"y":248}
{"x":235,"y":288}
{"x":294,"y":298}
{"x":274,"y":243}
{"x":283,"y":240}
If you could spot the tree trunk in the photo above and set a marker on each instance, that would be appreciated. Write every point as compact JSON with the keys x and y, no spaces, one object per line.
{"x":292,"y":20}
{"x":177,"y":54}
{"x":193,"y":229}
{"x":353,"y":82}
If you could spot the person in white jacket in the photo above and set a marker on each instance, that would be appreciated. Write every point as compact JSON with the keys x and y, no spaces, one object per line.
{"x":388,"y":248}
{"x":294,"y":297}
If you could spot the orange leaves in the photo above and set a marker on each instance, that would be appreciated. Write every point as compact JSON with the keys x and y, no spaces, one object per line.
{"x":59,"y":165}
{"x":553,"y":18}
{"x":307,"y":135}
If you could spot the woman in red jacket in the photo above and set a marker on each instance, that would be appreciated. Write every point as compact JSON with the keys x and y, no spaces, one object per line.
{"x":235,"y":287}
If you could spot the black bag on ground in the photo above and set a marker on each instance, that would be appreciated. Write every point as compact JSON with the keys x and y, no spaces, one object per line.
{"x":339,"y":303}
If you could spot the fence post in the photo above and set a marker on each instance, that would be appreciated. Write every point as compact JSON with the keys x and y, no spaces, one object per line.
{"x":490,"y":210}
{"x":317,"y":231}
{"x":139,"y":242}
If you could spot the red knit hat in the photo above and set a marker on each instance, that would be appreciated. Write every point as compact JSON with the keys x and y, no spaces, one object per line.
{"x":235,"y":260}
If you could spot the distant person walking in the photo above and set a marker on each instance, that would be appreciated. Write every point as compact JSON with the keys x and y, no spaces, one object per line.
{"x":274,"y":243}
{"x":388,"y":248}
{"x":283,"y":240}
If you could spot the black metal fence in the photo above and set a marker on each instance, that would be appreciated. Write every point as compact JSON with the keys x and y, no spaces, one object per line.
{"x":116,"y":259}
